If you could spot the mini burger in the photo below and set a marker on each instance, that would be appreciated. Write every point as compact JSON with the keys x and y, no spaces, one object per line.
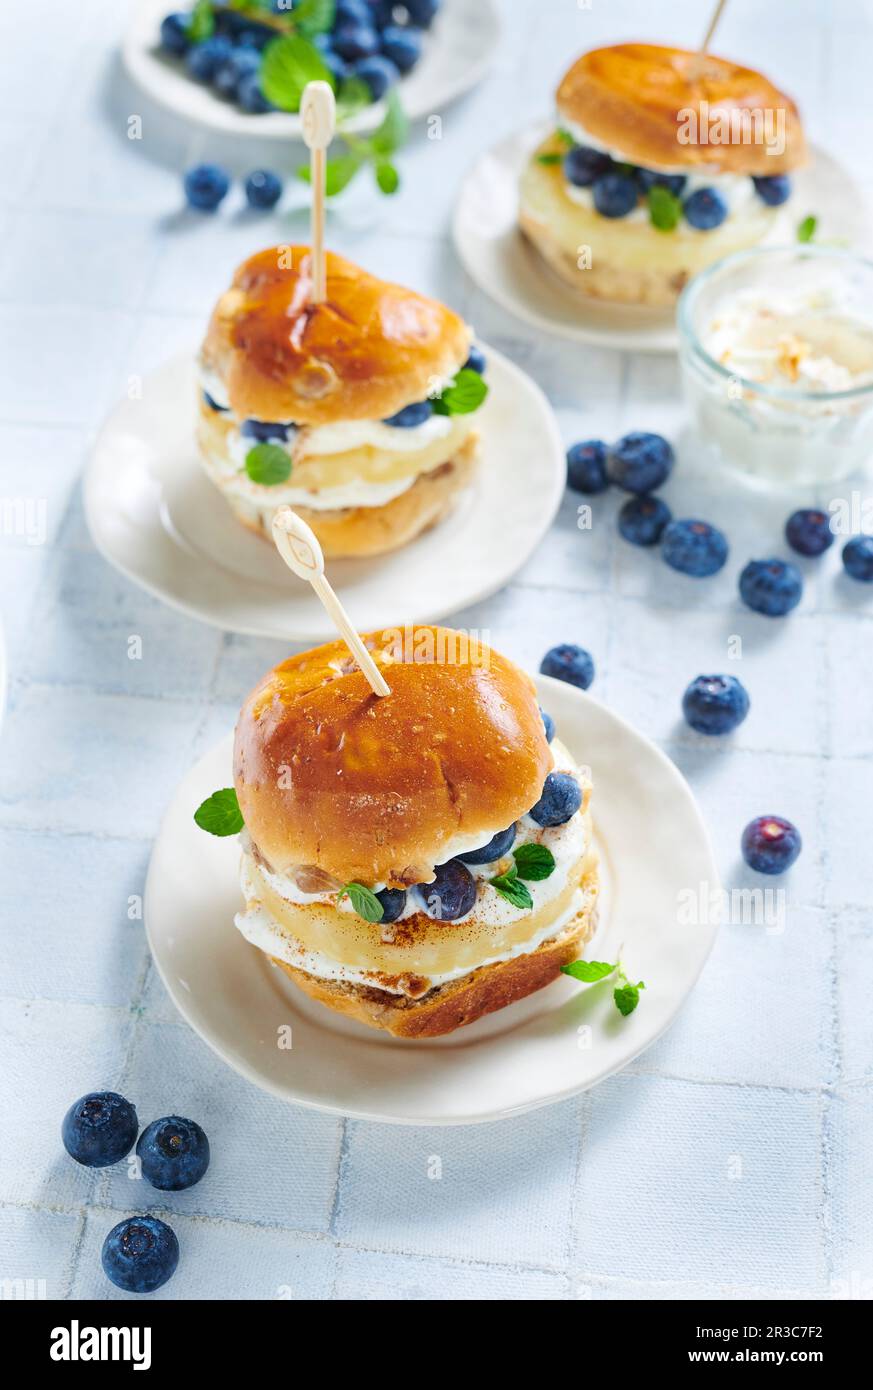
{"x":413,"y":861}
{"x":358,"y":411}
{"x":662,"y":162}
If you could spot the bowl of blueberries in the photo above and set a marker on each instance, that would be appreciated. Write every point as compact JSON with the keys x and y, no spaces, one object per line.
{"x":241,"y":68}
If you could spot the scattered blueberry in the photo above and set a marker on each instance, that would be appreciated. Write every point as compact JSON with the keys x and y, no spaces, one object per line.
{"x":640,"y":462}
{"x":694,"y":548}
{"x":204,"y":59}
{"x":411,"y":415}
{"x":774,"y":190}
{"x":213,"y":404}
{"x":497,"y":846}
{"x":99,"y":1128}
{"x":421,"y":12}
{"x":263,"y":189}
{"x":615,"y":195}
{"x":858,"y":558}
{"x":174,"y":33}
{"x":548,"y":725}
{"x":240,"y":64}
{"x":570,"y":663}
{"x":586,"y":467}
{"x":451,"y":893}
{"x":378,"y":72}
{"x":705,"y":209}
{"x":173,"y":1153}
{"x":393,"y":902}
{"x":649,"y":178}
{"x":250,"y":96}
{"x":205,"y":186}
{"x":642,"y":520}
{"x":140,"y":1254}
{"x":561,"y":799}
{"x":402,"y":46}
{"x":715,"y":704}
{"x":476,"y":361}
{"x":353,"y":41}
{"x":583,"y":166}
{"x":264,"y":430}
{"x":772,"y":587}
{"x":770,"y":844}
{"x":809,"y":532}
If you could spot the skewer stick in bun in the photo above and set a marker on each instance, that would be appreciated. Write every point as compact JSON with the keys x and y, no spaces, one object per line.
{"x":318,"y":115}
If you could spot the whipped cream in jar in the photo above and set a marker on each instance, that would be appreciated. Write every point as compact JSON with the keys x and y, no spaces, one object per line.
{"x":776,"y":349}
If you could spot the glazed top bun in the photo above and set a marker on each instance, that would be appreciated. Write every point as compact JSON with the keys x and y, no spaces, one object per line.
{"x":373,"y":789}
{"x":368,"y":350}
{"x":629,"y":98}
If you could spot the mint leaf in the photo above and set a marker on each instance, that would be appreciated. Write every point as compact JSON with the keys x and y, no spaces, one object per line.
{"x":391,"y":134}
{"x":201,"y":23}
{"x":313,"y":17}
{"x":363,"y":900}
{"x":549,"y":158}
{"x":589,"y":971}
{"x":510,"y":887}
{"x":353,"y":96}
{"x":807,"y":229}
{"x":665,"y":209}
{"x":387,"y":177}
{"x":268,"y":464}
{"x":466,"y":393}
{"x":565,"y":138}
{"x":219,"y":814}
{"x":627,"y":996}
{"x":534,"y":862}
{"x":290,"y":62}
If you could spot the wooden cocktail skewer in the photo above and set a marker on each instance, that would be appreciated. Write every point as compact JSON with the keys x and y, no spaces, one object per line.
{"x":299,"y":548}
{"x":699,"y":63}
{"x":318,"y":116}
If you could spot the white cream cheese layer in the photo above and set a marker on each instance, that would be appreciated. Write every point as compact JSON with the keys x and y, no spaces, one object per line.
{"x":234,"y":480}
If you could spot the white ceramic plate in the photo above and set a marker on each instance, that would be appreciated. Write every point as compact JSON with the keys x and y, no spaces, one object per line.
{"x":458,"y":51}
{"x":503,"y":264}
{"x":557,"y":1042}
{"x":154,"y":514}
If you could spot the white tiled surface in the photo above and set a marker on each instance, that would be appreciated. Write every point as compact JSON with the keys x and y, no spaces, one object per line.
{"x":735,"y":1156}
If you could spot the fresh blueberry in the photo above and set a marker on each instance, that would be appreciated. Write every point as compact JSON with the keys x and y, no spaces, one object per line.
{"x":213,"y":404}
{"x":339,"y":69}
{"x":583,"y":166}
{"x":548,"y":725}
{"x":497,"y":846}
{"x":393,"y":902}
{"x":174,"y":33}
{"x":774,"y":190}
{"x":263,"y":189}
{"x":173,"y":1153}
{"x":615,"y":195}
{"x":705,"y":209}
{"x":241,"y":63}
{"x":140,"y":1254}
{"x":858,"y":558}
{"x":715,"y":704}
{"x":402,"y":46}
{"x":378,"y":72}
{"x":204,"y":59}
{"x":99,"y":1129}
{"x":255,"y":36}
{"x":640,"y":462}
{"x":250,"y":96}
{"x":421,"y":12}
{"x":450,"y":895}
{"x":642,"y":520}
{"x":809,"y":532}
{"x":694,"y":548}
{"x":476,"y":361}
{"x":411,"y":415}
{"x":770,"y":844}
{"x":352,"y":12}
{"x":353,"y":41}
{"x":569,"y":663}
{"x":586,"y":467}
{"x":650,"y":178}
{"x":772,"y":587}
{"x":561,"y":799}
{"x":264,"y":430}
{"x":205,"y":186}
{"x":381,"y":13}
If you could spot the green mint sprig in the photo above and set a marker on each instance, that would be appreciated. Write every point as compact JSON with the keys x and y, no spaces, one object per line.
{"x":554,"y":156}
{"x":363,"y":900}
{"x":665,"y":209}
{"x":807,"y":228}
{"x":289,"y":63}
{"x":510,"y":886}
{"x":268,"y":464}
{"x":219,"y":814}
{"x":201,"y":22}
{"x":626,"y":994}
{"x":532,"y":862}
{"x":465,"y":394}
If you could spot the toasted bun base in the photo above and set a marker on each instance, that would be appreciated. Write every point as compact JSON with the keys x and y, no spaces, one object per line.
{"x":630,"y":98}
{"x":377,"y":530}
{"x":461,"y":1001}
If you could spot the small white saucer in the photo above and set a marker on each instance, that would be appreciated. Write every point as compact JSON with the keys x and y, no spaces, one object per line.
{"x":154,"y":514}
{"x":561,"y":1040}
{"x":457,"y":53}
{"x":503,"y":264}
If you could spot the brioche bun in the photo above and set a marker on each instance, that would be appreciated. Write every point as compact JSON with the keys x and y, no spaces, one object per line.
{"x":629,"y":97}
{"x":369,"y":350}
{"x":372,"y":789}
